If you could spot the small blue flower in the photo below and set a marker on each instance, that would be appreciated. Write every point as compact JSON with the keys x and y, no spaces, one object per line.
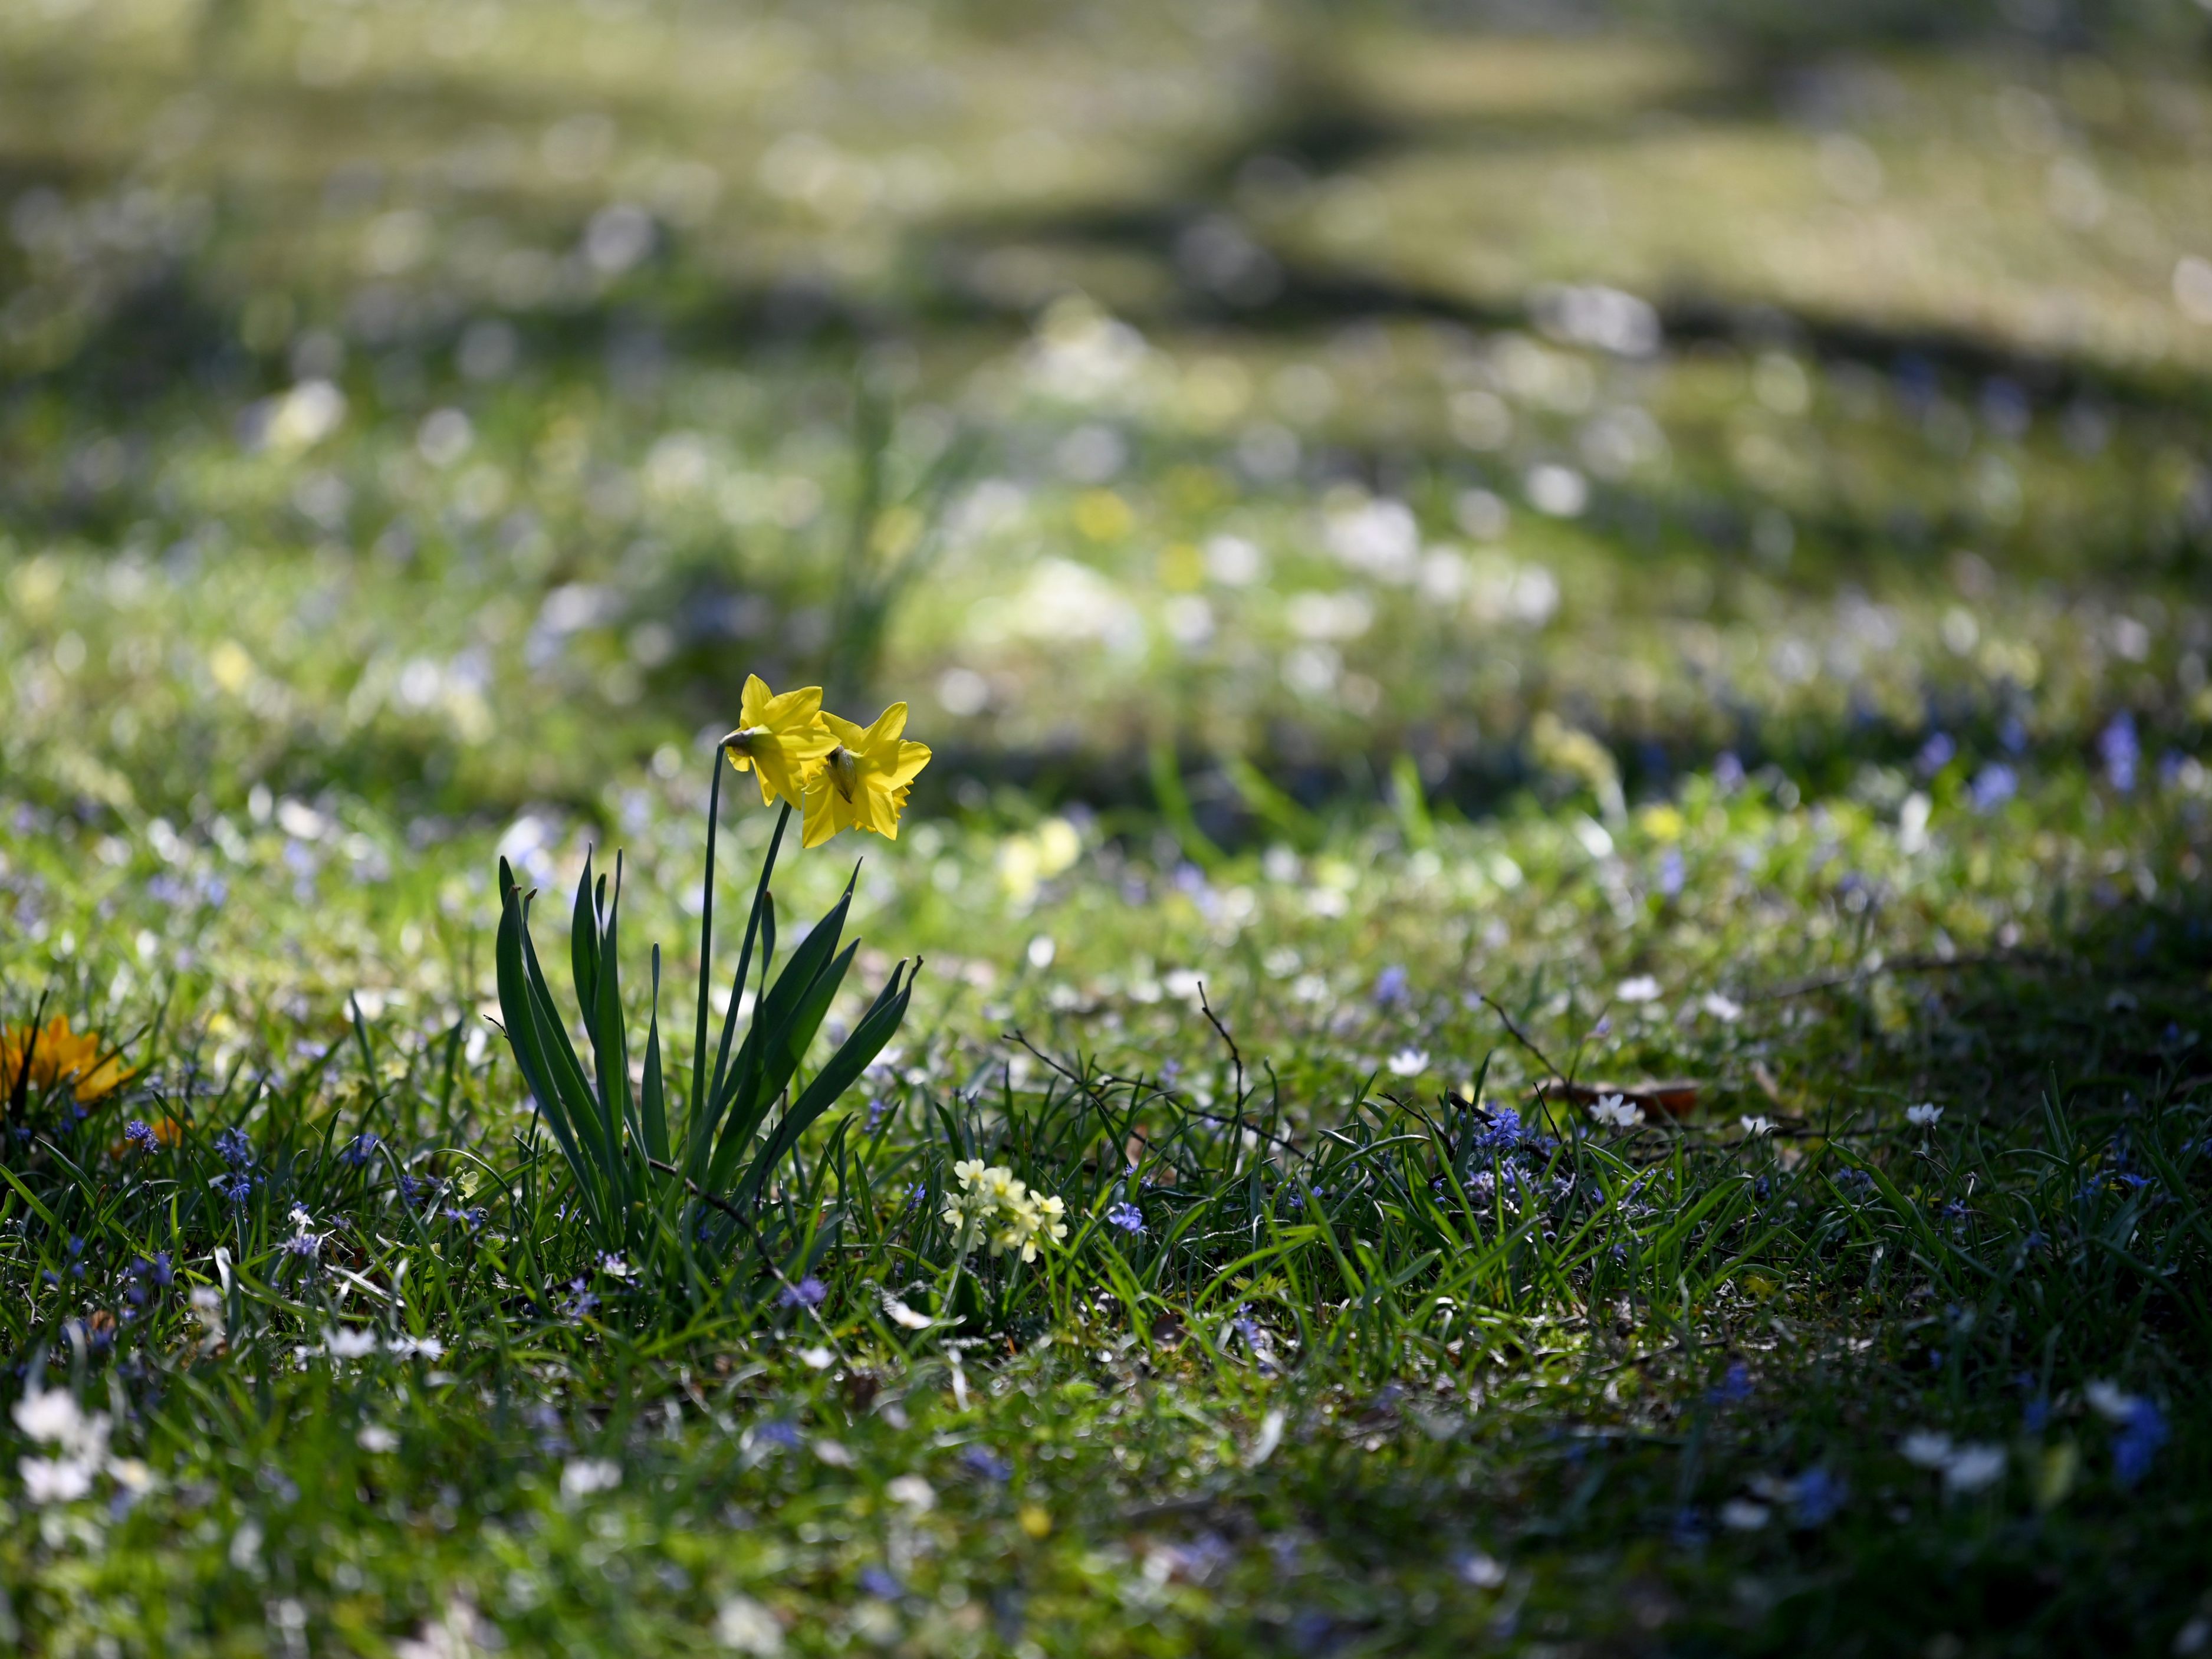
{"x":357,"y":1152}
{"x":2135,"y":1447}
{"x":777,"y":1432}
{"x":1391,"y":986}
{"x":1934,"y":755}
{"x":581,"y":1302}
{"x":236,"y":1188}
{"x":140,"y":1133}
{"x":1689,"y":1530}
{"x":2116,"y":746}
{"x":1502,"y":1136}
{"x":878,"y":1583}
{"x":1670,"y":873}
{"x":1993,"y":785}
{"x":1815,"y":1496}
{"x":232,"y":1147}
{"x":1128,"y":1216}
{"x":983,"y":1462}
{"x":1734,"y":1387}
{"x":809,"y":1292}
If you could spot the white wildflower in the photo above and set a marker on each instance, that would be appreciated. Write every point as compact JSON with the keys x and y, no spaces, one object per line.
{"x":1741,"y":1515}
{"x":1616,"y":1112}
{"x":744,"y":1625}
{"x":55,"y":1480}
{"x":48,"y":1415}
{"x":1757,"y":1126}
{"x":375,"y":1438}
{"x":911,"y":1491}
{"x":586,"y":1475}
{"x":1924,"y":1115}
{"x":348,"y":1341}
{"x":904,"y":1316}
{"x":1409,"y":1062}
{"x":1270,"y":1436}
{"x":51,"y":1416}
{"x":1972,"y":1468}
{"x":2110,"y":1401}
{"x":1926,"y":1449}
{"x":1481,"y":1569}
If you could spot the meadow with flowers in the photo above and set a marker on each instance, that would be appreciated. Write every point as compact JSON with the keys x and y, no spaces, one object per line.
{"x":1220,"y":829}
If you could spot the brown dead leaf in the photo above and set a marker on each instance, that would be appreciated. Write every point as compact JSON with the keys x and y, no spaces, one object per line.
{"x":1674,"y":1097}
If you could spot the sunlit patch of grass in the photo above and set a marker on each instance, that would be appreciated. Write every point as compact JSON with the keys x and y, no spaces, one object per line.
{"x":1302,"y":1299}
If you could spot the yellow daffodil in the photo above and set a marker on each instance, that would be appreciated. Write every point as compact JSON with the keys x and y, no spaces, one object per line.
{"x":863,"y":779}
{"x":56,"y":1056}
{"x":780,"y":739}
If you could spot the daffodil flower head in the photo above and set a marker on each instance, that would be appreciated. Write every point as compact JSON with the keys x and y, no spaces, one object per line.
{"x":45,"y":1057}
{"x":780,"y":740}
{"x":863,"y":780}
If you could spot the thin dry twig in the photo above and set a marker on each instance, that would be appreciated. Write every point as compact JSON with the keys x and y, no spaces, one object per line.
{"x":1112,"y":1081}
{"x":1513,"y":1031}
{"x":1235,"y":1054}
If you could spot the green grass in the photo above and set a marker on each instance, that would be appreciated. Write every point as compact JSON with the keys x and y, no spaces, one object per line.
{"x":1162,"y":402}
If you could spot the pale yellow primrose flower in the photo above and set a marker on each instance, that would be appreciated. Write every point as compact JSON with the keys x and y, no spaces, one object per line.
{"x":780,"y":740}
{"x":991,"y":1201}
{"x":864,"y":778}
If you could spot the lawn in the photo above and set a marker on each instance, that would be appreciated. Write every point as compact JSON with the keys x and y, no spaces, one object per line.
{"x":1545,"y":989}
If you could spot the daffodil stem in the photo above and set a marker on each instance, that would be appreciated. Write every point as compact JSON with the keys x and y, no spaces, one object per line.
{"x":705,"y":951}
{"x":745,"y":955}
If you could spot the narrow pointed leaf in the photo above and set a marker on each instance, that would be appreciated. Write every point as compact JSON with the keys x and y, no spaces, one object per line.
{"x":584,"y":944}
{"x":775,"y":1055}
{"x":653,"y":1096}
{"x":611,"y":1048}
{"x":520,"y":1016}
{"x":876,"y":1029}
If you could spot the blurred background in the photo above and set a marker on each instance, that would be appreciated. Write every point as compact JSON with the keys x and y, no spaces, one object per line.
{"x":1230,"y":406}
